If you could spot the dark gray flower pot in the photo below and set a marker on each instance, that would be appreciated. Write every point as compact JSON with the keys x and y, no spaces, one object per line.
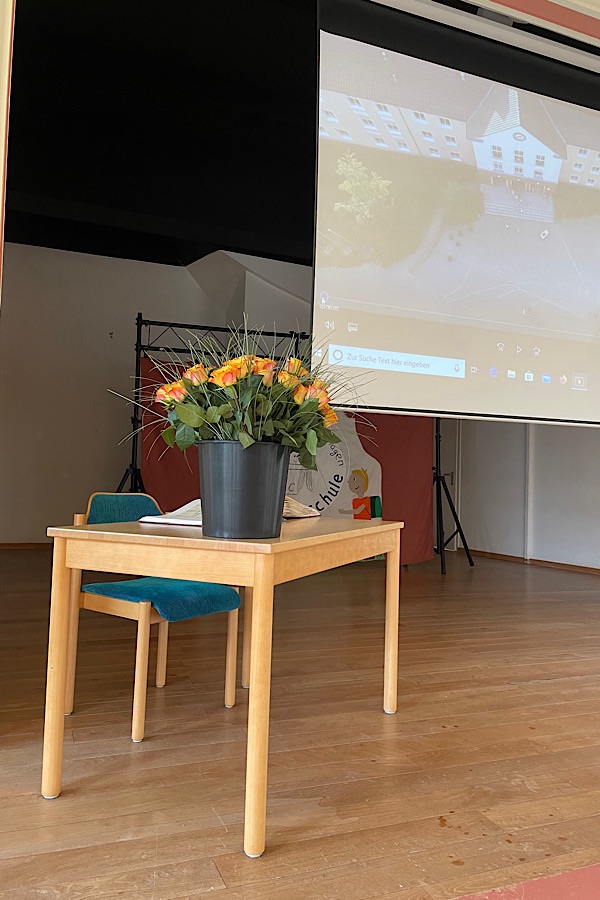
{"x":242,"y":490}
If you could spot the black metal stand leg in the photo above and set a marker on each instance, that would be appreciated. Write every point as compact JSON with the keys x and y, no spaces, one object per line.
{"x":456,"y":521}
{"x":439,"y":482}
{"x":133,"y":472}
{"x":439,"y":515}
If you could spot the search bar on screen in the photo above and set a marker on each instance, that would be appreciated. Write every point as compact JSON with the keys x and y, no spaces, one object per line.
{"x":390,"y":361}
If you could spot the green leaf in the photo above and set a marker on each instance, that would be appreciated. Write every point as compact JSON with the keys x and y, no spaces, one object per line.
{"x":245,"y":439}
{"x":212,"y":415}
{"x":311,"y":442}
{"x":168,"y":436}
{"x":268,"y":428}
{"x":307,"y":460}
{"x":190,"y":414}
{"x":311,"y":405}
{"x":248,"y":422}
{"x":226,"y":411}
{"x":185,"y":436}
{"x":332,"y":437}
{"x":288,"y":441}
{"x":246,"y":396}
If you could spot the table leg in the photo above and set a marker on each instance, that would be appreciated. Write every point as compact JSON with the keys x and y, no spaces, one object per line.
{"x":258,"y":707}
{"x":54,"y":723}
{"x":74,"y":593}
{"x":247,"y":637}
{"x":392,"y":613}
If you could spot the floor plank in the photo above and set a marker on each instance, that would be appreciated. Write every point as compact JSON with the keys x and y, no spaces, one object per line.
{"x":489,"y":775}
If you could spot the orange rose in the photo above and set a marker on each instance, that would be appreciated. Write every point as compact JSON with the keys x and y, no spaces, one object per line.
{"x":197,"y":374}
{"x":300,"y":395}
{"x":294,"y":367}
{"x":226,"y":375}
{"x":260,"y":365}
{"x":169,"y":394}
{"x":318,"y":391}
{"x":329,"y":416}
{"x":287,"y":379}
{"x":241,"y":364}
{"x":265,"y":367}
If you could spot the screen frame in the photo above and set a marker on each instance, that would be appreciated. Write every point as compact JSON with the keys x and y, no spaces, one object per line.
{"x":369,"y":21}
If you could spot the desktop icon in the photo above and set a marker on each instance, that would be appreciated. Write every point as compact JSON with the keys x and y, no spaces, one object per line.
{"x":323,"y":296}
{"x":318,"y":353}
{"x":493,"y":371}
{"x":546,"y":379}
{"x":500,"y":346}
{"x":511,"y":373}
{"x":474,"y":370}
{"x":579,"y":383}
{"x":352,"y":326}
{"x":528,"y":376}
{"x":536,"y":351}
{"x":337,"y":355}
{"x":563,"y":379}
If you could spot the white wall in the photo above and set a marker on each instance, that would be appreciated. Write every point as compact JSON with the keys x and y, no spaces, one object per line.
{"x":278,"y":295}
{"x":493,"y":486}
{"x":531,"y":491}
{"x":565,"y":466}
{"x":67,"y":334}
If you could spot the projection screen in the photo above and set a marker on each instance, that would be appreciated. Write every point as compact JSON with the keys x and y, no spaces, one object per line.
{"x":457,"y":265}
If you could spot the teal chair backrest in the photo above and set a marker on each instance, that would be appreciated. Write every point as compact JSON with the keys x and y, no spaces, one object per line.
{"x":107,"y":508}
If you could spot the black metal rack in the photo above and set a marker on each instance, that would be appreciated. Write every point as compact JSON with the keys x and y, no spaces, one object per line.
{"x":172,"y":339}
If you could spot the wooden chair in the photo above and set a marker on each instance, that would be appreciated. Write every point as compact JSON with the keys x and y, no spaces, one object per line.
{"x":141,"y":599}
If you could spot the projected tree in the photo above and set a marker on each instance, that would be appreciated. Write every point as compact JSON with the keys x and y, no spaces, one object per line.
{"x":367,"y":191}
{"x":363,"y":212}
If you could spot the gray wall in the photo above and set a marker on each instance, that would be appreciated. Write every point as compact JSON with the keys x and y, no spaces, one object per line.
{"x":531,"y":491}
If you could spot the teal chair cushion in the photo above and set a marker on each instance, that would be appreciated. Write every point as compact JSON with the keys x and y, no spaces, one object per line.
{"x":175,"y":600}
{"x":108,"y":508}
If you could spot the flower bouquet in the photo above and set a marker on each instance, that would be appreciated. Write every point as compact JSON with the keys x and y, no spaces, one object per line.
{"x":247,"y":413}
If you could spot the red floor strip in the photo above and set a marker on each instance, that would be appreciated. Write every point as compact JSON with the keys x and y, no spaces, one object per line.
{"x":582,"y":884}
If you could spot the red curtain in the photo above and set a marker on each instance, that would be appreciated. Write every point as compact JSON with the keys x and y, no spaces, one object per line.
{"x":403,"y":448}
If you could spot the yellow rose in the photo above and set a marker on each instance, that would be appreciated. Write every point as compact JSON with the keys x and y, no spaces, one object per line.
{"x":169,"y":394}
{"x":294,"y":367}
{"x":197,"y":374}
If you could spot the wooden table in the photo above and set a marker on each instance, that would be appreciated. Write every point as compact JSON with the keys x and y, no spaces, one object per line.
{"x":306,"y":546}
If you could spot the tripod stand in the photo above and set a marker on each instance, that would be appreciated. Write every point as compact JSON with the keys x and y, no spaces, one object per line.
{"x":439,"y":483}
{"x":133,"y":473}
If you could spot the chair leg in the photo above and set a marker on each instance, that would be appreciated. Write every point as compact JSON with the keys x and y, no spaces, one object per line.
{"x":247,"y":637}
{"x":74,"y":595}
{"x":161,"y":654}
{"x":141,"y":673}
{"x":231,"y":658}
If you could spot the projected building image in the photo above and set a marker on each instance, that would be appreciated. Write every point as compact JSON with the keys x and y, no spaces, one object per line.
{"x":445,"y":195}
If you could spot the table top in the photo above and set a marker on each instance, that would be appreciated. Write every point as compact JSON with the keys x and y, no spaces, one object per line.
{"x":294,"y":533}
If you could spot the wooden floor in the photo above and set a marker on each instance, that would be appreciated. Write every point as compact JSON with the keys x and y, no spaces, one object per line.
{"x":488,"y":775}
